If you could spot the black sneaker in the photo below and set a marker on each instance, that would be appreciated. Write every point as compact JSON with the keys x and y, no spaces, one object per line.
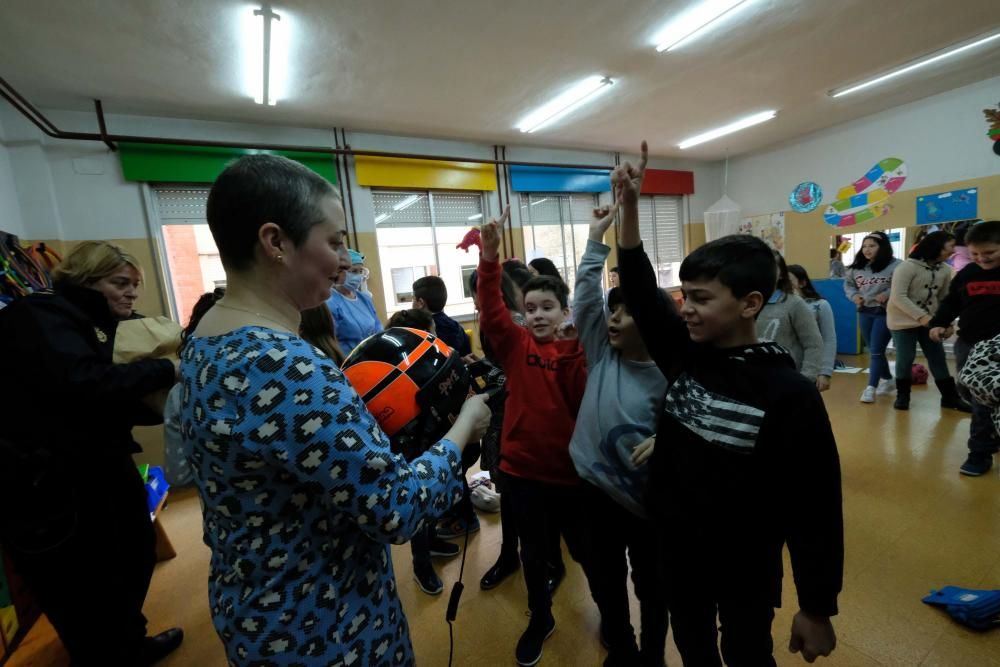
{"x":500,"y":571}
{"x":443,"y":548}
{"x":976,"y":465}
{"x":529,"y":646}
{"x":427,"y":579}
{"x":623,"y":657}
{"x":556,"y":573}
{"x":160,"y":646}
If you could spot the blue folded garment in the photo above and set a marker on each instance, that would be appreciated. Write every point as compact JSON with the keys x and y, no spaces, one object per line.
{"x":979,"y":610}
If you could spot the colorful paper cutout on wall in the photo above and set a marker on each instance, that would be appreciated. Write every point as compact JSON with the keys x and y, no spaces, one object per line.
{"x":805,"y":197}
{"x":769,"y":228}
{"x":948,"y":207}
{"x":993,"y":118}
{"x":868,"y":197}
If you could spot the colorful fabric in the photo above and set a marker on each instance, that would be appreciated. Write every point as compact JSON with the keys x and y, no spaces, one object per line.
{"x":302,"y":496}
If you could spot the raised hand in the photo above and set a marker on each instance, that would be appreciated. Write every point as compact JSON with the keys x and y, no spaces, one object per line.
{"x":603,"y":217}
{"x":491,"y":236}
{"x":626,"y":180}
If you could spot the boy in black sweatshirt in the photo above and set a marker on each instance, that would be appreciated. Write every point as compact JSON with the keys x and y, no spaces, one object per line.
{"x":974,"y":297}
{"x":745,"y":460}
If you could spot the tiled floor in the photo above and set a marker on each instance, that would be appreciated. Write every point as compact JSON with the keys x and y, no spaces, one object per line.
{"x":912,"y":523}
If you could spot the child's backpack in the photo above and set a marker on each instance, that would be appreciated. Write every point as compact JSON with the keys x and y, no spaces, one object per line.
{"x":979,"y":610}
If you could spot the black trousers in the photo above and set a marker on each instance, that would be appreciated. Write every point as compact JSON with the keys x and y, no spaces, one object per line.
{"x":508,"y":526}
{"x":541,"y":510}
{"x":615,"y":532}
{"x":92,"y":587}
{"x":697,"y":620}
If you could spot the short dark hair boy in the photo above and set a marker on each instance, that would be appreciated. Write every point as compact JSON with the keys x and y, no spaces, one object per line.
{"x":545,"y":283}
{"x":739,"y":426}
{"x":431,"y":293}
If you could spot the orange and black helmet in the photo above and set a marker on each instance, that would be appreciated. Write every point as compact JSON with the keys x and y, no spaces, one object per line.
{"x":413,"y":384}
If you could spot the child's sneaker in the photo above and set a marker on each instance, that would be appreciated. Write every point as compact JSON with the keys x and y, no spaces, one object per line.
{"x":868,"y":395}
{"x":449,"y":530}
{"x":976,"y":465}
{"x":886,"y":387}
{"x":529,"y":646}
{"x":441,"y":548}
{"x":427,"y":579}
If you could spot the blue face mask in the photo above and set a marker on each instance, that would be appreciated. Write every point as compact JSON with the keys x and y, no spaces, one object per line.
{"x":353,"y":281}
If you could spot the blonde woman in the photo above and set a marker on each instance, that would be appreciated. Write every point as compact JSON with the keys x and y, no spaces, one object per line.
{"x":78,"y":524}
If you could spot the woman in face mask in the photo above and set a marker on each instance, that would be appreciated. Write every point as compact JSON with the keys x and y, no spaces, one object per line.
{"x":352,"y":307}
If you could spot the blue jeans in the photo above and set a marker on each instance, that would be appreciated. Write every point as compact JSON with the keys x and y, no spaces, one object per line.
{"x":906,"y":341}
{"x":983,"y":439}
{"x":876,"y":334}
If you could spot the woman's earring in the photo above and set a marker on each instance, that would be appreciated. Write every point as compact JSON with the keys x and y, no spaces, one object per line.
{"x":279,"y":258}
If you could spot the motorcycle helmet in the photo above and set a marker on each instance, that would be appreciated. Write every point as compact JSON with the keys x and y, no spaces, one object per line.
{"x":413,"y":384}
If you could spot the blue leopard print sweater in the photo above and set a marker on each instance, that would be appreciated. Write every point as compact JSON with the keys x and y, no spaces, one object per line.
{"x":302,"y":497}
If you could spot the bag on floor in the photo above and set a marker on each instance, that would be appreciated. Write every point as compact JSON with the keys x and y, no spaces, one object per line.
{"x":483,"y":494}
{"x":979,"y":610}
{"x":919,"y":374}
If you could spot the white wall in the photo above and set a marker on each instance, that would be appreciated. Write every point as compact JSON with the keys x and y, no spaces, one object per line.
{"x":74,"y":190}
{"x":941,"y":139}
{"x":10,"y":208}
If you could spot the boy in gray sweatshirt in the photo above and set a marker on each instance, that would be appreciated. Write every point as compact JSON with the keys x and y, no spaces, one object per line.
{"x":610,"y":445}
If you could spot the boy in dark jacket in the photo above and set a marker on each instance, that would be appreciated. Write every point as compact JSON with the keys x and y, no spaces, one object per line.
{"x":745,"y":460}
{"x":431,"y":294}
{"x":974,"y":297}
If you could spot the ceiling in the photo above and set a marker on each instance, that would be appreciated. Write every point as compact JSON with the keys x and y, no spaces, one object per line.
{"x":469,"y":69}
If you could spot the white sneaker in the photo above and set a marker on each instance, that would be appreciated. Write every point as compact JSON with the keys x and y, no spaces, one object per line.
{"x":868,"y":395}
{"x":886,"y":387}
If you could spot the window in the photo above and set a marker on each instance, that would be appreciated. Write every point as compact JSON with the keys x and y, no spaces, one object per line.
{"x":661,"y":229}
{"x":855,"y":241}
{"x":557,"y":227}
{"x":187,"y":249}
{"x":417,"y":233}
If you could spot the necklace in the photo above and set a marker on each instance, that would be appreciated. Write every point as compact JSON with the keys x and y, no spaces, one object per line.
{"x":283,"y":325}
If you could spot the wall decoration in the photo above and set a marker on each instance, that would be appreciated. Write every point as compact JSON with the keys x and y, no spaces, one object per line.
{"x":868,"y":197}
{"x":722,"y":218}
{"x":993,"y":118}
{"x":770,"y":228}
{"x":948,"y":207}
{"x":805,"y":197}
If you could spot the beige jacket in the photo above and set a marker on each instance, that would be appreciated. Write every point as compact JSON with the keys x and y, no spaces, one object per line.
{"x":917,"y":289}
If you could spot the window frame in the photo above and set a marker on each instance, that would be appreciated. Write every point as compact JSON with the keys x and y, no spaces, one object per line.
{"x":155,"y":224}
{"x":394,"y":306}
{"x":653,"y":252}
{"x":560,"y":197}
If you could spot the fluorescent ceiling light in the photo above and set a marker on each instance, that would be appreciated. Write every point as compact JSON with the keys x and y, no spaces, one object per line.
{"x":536,"y":203}
{"x":383,"y":216}
{"x":916,"y":64}
{"x":741,"y":124}
{"x":475,"y":217}
{"x":265,"y":39}
{"x":568,"y":101}
{"x":407,"y":203}
{"x":692,"y":24}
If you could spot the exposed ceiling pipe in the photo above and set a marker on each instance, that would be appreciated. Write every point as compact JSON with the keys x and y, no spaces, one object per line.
{"x":347,"y":185}
{"x":49,"y":128}
{"x":506,"y":182}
